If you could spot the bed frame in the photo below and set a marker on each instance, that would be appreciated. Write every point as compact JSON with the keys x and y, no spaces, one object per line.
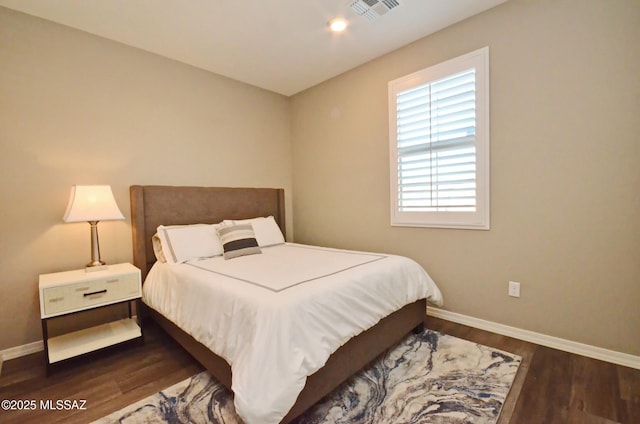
{"x":170,"y":205}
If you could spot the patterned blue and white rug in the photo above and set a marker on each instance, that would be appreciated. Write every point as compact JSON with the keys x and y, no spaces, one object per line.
{"x":428,"y":378}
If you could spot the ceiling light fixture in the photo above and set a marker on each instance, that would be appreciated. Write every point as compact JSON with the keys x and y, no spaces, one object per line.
{"x":338,"y":25}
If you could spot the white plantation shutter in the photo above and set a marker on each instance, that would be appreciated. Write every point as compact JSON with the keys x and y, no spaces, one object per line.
{"x":439,"y":145}
{"x":436,"y":127}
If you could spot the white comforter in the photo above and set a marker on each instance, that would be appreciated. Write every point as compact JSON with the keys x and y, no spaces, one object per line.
{"x":276,"y":317}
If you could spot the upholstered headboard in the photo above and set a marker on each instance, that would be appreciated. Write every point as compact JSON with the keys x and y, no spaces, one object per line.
{"x":155,"y":205}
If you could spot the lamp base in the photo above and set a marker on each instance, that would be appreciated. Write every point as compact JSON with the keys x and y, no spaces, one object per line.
{"x":96,"y":264}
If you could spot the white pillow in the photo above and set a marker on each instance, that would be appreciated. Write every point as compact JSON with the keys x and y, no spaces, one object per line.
{"x":265,"y":228}
{"x":181,"y":243}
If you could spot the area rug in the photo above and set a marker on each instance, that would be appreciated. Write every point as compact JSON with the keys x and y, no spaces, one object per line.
{"x":428,"y":378}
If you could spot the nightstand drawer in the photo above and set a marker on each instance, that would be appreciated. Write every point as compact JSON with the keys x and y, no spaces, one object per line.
{"x":86,"y":294}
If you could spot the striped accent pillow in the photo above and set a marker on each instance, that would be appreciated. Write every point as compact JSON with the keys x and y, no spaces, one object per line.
{"x":238,"y":240}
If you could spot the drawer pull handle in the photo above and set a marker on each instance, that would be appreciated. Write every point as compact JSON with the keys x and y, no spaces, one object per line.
{"x":115,"y":280}
{"x":95,"y":292}
{"x":56,"y":299}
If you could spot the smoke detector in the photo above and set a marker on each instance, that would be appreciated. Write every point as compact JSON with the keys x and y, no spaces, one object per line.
{"x":373,"y":9}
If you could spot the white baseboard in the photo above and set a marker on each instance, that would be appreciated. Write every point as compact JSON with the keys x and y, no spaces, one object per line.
{"x":18,"y":351}
{"x":594,"y":352}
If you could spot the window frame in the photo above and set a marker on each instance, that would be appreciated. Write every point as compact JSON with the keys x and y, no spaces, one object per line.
{"x":480,"y":219}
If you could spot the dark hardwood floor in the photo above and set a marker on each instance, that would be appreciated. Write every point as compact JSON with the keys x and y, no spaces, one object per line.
{"x":551,"y":386}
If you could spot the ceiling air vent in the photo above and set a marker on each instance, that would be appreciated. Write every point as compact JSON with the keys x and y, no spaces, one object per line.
{"x":373,"y":9}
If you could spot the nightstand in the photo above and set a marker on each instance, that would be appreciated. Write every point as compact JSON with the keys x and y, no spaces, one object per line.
{"x":72,"y":292}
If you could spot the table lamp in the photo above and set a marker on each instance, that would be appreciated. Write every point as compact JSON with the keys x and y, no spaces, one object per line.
{"x":92,"y":203}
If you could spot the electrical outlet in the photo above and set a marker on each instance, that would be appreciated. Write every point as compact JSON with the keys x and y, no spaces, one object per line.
{"x":514,"y":289}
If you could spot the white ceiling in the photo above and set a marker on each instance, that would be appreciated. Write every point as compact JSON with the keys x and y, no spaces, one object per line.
{"x":279,"y":45}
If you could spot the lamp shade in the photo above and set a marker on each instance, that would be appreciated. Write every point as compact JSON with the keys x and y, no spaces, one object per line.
{"x":91,"y":203}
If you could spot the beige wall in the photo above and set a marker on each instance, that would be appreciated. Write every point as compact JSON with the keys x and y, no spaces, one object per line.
{"x":565,"y":100}
{"x":565,"y":171}
{"x":78,"y":109}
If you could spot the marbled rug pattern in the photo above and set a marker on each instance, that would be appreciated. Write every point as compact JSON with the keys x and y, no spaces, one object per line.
{"x":428,"y":378}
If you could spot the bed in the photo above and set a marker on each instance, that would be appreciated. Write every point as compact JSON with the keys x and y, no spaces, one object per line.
{"x":153,"y":206}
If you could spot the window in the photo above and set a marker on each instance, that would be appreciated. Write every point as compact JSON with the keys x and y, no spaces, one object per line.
{"x":439,"y":145}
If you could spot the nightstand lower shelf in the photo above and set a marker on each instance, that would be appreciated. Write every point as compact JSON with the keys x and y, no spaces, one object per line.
{"x":91,"y":339}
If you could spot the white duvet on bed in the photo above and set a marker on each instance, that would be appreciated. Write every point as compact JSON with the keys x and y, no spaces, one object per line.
{"x":276,"y":317}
